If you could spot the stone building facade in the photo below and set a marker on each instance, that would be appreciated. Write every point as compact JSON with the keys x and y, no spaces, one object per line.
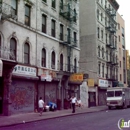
{"x":39,"y":43}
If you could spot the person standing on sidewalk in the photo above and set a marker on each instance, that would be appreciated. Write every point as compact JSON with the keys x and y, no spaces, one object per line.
{"x":73,"y":101}
{"x":41,"y":105}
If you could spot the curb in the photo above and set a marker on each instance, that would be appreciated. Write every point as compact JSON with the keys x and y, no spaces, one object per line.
{"x":14,"y":124}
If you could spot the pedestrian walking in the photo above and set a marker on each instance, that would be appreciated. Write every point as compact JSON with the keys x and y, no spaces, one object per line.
{"x":73,"y":101}
{"x":41,"y":105}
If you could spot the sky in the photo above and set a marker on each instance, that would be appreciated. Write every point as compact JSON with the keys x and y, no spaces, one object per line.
{"x":124,"y":10}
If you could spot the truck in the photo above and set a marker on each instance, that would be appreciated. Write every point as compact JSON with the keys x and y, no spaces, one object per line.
{"x":118,"y":97}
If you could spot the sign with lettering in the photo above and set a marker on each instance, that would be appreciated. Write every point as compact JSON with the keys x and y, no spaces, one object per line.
{"x":104,"y":83}
{"x":1,"y":68}
{"x":76,"y":77}
{"x":24,"y":70}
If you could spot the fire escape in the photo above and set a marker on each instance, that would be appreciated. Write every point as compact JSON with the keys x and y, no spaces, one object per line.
{"x":6,"y":12}
{"x":70,"y":16}
{"x":112,"y":45}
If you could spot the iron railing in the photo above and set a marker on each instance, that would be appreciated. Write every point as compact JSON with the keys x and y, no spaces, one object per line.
{"x":67,"y":68}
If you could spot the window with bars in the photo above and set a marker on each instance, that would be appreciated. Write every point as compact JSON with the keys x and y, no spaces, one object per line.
{"x":27,"y":15}
{"x":26,"y":53}
{"x":53,"y":28}
{"x":43,"y":58}
{"x":44,"y":23}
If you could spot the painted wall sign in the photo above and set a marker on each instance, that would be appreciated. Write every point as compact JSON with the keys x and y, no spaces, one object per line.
{"x":1,"y":68}
{"x":104,"y":83}
{"x":24,"y":70}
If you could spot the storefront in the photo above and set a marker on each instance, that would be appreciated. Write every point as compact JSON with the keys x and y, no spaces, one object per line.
{"x":47,"y":85}
{"x":102,"y":87}
{"x":23,"y":89}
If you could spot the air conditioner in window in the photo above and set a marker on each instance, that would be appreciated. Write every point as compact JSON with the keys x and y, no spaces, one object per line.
{"x":99,"y":75}
{"x":53,"y":66}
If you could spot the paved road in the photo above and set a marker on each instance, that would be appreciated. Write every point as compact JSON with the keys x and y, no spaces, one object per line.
{"x":104,"y":120}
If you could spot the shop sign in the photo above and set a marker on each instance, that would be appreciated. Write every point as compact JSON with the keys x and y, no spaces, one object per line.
{"x":90,"y":82}
{"x":24,"y":70}
{"x":76,"y":77}
{"x":1,"y":68}
{"x":45,"y":77}
{"x":104,"y":83}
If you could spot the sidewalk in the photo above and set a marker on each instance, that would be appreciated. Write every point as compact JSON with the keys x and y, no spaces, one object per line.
{"x":30,"y":117}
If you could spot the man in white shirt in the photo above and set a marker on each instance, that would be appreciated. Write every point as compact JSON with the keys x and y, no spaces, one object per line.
{"x":73,"y":101}
{"x":41,"y":105}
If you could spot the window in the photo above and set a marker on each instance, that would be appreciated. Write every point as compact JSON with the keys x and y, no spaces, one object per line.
{"x":68,"y":35}
{"x":53,"y":28}
{"x":75,"y":65}
{"x":102,"y":34}
{"x":13,"y":49}
{"x":107,"y":55}
{"x":27,"y":15}
{"x":54,"y":3}
{"x":26,"y":53}
{"x":120,"y":64}
{"x":101,"y":16}
{"x":61,"y":32}
{"x":61,"y":4}
{"x":43,"y":58}
{"x":44,"y":1}
{"x":106,"y":37}
{"x":68,"y":66}
{"x":74,"y":16}
{"x":61,"y":62}
{"x":0,"y":45}
{"x":118,"y":26}
{"x":119,"y":38}
{"x":102,"y":70}
{"x":98,"y":32}
{"x":105,"y":21}
{"x":44,"y":23}
{"x":14,"y":7}
{"x":75,"y":37}
{"x":99,"y":69}
{"x":120,"y":77}
{"x":53,"y":60}
{"x":102,"y":52}
{"x":98,"y":14}
{"x":99,"y":51}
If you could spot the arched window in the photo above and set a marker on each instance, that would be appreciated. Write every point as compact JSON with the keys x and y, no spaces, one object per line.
{"x":75,"y":65}
{"x":53,"y":60}
{"x":26,"y":53}
{"x":13,"y":48}
{"x":43,"y":58}
{"x":61,"y":62}
{"x":74,"y":15}
{"x":99,"y":51}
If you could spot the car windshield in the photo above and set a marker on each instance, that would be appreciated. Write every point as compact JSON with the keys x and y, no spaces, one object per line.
{"x":110,"y":94}
{"x":118,"y":93}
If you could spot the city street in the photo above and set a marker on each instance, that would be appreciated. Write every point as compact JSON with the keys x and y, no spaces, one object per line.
{"x":104,"y":120}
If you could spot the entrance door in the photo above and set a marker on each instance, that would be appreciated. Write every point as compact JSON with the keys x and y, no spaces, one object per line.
{"x":92,"y":99}
{"x":1,"y":95}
